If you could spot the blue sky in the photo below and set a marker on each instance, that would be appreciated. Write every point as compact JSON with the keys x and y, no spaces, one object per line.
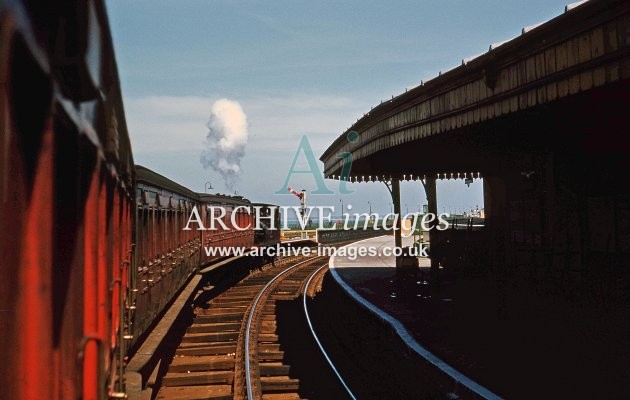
{"x":296,"y":68}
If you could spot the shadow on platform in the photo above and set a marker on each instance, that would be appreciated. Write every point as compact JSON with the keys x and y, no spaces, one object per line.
{"x":507,"y":335}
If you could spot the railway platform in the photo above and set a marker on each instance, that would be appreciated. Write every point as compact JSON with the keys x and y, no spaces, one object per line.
{"x":371,"y":281}
{"x":457,"y":328}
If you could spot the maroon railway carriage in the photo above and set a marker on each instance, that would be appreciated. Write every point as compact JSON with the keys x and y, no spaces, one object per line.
{"x":238,"y":211}
{"x":266,"y":236}
{"x":89,"y":258}
{"x":166,"y":255}
{"x":66,"y":187}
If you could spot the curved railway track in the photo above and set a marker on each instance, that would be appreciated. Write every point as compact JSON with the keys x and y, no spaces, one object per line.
{"x":232,"y":349}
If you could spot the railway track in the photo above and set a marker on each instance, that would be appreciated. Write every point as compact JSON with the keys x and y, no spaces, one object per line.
{"x":232,"y":349}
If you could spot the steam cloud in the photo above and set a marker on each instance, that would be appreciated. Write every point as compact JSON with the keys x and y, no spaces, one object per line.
{"x":226,"y":140}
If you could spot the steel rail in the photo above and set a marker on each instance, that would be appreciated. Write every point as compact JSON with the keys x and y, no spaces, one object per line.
{"x":308,"y":320}
{"x":248,"y":379}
